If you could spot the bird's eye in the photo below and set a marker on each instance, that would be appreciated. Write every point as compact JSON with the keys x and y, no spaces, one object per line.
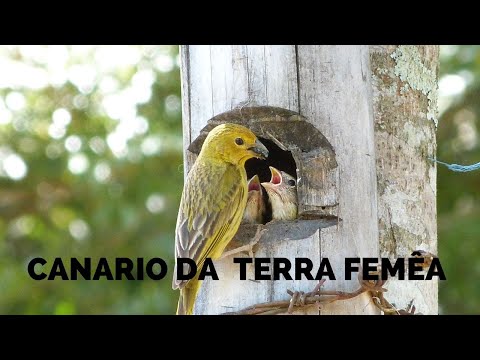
{"x":291,"y":182}
{"x":239,"y":141}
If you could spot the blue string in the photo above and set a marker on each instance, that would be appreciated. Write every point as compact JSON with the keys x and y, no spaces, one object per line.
{"x":459,"y":168}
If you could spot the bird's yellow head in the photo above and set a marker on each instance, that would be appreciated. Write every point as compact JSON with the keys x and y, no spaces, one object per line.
{"x":233,"y":144}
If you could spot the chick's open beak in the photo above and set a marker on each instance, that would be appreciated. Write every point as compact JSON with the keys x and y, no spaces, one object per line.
{"x":276,"y":179}
{"x":260,"y":150}
{"x":254,"y":184}
{"x":276,"y":176}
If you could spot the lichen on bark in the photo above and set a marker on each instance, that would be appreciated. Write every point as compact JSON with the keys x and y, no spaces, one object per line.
{"x":410,"y":68}
{"x":405,"y":139}
{"x":404,"y":81}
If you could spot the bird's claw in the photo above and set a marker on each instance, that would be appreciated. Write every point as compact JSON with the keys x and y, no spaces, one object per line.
{"x":246,"y":248}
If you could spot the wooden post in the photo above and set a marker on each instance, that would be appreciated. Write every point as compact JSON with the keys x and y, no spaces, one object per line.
{"x":332,"y":87}
{"x":405,"y":109}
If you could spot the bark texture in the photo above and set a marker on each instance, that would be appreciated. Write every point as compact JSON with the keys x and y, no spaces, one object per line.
{"x":404,"y":80}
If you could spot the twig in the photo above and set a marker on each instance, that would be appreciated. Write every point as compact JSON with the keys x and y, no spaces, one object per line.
{"x":277,"y":142}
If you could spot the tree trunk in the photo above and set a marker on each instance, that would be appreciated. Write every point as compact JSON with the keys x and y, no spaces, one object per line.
{"x":405,"y":103}
{"x":375,"y":105}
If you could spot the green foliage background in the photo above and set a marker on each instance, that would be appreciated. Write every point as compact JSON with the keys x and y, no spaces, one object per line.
{"x":84,"y":182}
{"x":53,"y":212}
{"x":459,"y":193}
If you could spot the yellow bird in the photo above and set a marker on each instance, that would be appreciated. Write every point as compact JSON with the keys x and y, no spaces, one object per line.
{"x":282,"y":195}
{"x":213,"y":202}
{"x":255,"y":208}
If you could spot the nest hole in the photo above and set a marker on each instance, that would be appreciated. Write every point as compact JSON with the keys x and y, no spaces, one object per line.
{"x":279,"y":159}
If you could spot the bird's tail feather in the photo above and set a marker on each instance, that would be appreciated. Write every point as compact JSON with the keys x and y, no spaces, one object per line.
{"x":187,"y":298}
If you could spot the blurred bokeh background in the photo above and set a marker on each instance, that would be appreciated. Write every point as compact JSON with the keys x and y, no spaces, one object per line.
{"x":459,"y":193}
{"x":91,"y":166}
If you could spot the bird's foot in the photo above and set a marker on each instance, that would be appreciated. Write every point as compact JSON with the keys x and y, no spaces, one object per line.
{"x":246,"y":248}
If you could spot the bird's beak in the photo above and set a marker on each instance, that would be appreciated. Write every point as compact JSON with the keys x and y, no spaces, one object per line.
{"x":254,"y":184}
{"x":276,"y":176}
{"x":260,"y":150}
{"x":268,"y":186}
{"x":275,"y":180}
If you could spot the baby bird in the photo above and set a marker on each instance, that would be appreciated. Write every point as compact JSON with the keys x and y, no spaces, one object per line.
{"x":255,"y":210}
{"x":282,"y":195}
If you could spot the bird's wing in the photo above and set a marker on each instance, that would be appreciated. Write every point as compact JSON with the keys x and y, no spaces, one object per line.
{"x":206,"y":214}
